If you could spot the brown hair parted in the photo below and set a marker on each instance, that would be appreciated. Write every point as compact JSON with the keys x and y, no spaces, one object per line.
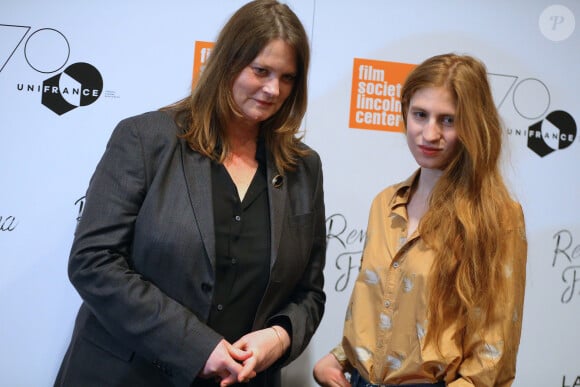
{"x":470,"y":207}
{"x":202,"y":116}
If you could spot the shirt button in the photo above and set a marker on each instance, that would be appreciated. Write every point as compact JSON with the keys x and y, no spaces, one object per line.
{"x":387,"y":303}
{"x":220,"y":307}
{"x":234,"y":261}
{"x":238,"y":218}
{"x":396,"y":265}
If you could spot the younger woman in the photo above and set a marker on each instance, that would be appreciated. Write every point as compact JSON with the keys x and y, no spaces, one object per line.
{"x":439,"y":297}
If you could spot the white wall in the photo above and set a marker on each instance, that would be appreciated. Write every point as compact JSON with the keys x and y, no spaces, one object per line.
{"x":144,"y":53}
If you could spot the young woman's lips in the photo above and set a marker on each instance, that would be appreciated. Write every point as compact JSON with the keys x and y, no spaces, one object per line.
{"x":429,"y":151}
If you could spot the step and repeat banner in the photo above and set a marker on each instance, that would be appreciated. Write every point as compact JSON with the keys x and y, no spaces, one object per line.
{"x":69,"y":71}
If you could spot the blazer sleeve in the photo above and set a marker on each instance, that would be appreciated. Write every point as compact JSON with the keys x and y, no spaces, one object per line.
{"x":305,"y":307}
{"x":132,"y":309}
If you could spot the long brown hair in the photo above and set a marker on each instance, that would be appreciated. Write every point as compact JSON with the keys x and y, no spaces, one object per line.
{"x":469,"y":204}
{"x":204,"y":114}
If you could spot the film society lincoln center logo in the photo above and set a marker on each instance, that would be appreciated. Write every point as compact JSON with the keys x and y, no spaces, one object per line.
{"x":376,"y":94}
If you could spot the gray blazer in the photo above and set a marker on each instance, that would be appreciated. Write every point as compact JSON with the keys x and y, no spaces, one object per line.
{"x":143,"y":261}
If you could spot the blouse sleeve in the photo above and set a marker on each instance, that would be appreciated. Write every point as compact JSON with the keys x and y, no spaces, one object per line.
{"x":340,"y":355}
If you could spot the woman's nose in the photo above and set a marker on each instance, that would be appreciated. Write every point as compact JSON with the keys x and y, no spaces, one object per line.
{"x":272,"y":87}
{"x":431,"y":130}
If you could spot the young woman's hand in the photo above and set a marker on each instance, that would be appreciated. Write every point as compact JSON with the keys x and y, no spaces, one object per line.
{"x":329,"y":373}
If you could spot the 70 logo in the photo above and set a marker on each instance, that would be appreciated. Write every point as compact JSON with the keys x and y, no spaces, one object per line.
{"x":530,"y":96}
{"x":46,"y":50}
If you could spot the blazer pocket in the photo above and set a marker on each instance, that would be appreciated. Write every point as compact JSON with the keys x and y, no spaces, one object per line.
{"x":301,"y":220}
{"x":97,"y":336}
{"x":294,"y":250}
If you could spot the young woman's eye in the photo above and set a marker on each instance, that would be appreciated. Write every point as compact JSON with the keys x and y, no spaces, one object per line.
{"x":448,"y":120}
{"x":419,"y":115}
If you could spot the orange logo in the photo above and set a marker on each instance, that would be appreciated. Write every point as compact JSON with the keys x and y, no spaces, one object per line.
{"x":200,"y":56}
{"x":375,"y":101}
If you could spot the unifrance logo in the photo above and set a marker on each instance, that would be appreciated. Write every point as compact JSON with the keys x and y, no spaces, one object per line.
{"x":47,"y":51}
{"x":556,"y":131}
{"x":544,"y":131}
{"x":80,"y":84}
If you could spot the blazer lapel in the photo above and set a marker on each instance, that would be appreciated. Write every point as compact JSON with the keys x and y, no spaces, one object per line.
{"x":277,"y":192}
{"x":197,"y":173}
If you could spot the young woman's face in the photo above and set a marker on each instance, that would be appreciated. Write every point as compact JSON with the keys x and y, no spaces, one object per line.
{"x":262,"y":87}
{"x":431,"y":133}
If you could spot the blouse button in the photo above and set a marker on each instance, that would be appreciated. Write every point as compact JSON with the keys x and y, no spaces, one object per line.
{"x":396,"y":265}
{"x":387,"y":303}
{"x":220,"y":307}
{"x":238,"y":218}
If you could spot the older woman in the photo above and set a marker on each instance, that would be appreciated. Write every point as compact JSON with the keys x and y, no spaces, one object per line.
{"x":200,"y":252}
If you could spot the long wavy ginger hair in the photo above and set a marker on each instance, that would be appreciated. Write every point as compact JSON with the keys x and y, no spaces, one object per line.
{"x":468,"y":203}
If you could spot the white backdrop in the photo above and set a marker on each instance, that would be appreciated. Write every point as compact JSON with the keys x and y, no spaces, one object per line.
{"x":50,"y":142}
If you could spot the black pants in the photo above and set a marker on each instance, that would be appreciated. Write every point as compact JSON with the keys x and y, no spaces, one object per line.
{"x":357,"y":381}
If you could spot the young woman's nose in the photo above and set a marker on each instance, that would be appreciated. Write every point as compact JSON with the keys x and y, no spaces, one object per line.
{"x":431,"y":130}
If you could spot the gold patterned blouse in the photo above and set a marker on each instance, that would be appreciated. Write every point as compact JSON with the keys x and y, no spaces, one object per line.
{"x":386,"y":318}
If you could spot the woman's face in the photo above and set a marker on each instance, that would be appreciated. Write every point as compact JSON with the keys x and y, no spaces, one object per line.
{"x":262,"y":87}
{"x":431,"y":133}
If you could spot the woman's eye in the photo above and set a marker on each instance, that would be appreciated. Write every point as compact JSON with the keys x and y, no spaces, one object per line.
{"x":259,"y":71}
{"x":419,"y":114}
{"x":447,"y":121}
